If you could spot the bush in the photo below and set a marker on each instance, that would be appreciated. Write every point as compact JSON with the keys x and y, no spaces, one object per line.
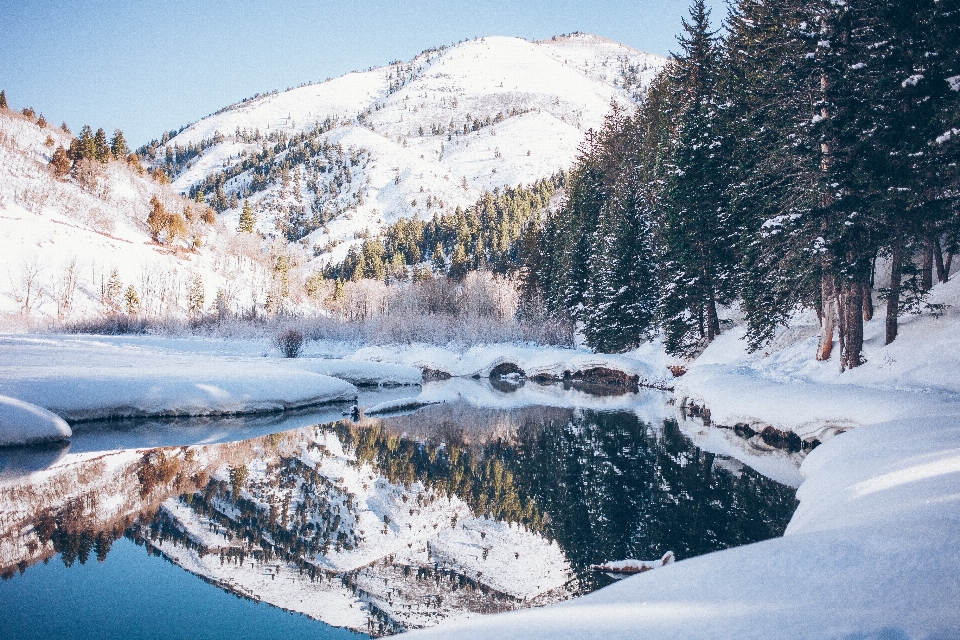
{"x":289,"y":342}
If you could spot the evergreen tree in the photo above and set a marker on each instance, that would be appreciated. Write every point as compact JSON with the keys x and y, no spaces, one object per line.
{"x":118,"y":145}
{"x":84,"y":147}
{"x":101,"y":146}
{"x":248,"y":219}
{"x":3,"y":100}
{"x":699,"y":254}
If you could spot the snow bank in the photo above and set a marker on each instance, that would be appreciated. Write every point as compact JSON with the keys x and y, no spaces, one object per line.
{"x":25,"y":423}
{"x":396,"y":406}
{"x":84,"y":379}
{"x":784,"y":386}
{"x":872,"y":552}
{"x":361,"y":373}
{"x":534,"y":361}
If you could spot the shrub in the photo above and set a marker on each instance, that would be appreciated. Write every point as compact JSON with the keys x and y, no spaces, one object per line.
{"x":289,"y":342}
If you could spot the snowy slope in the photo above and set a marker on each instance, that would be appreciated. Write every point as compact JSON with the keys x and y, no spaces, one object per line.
{"x":784,"y":386}
{"x":64,"y":239}
{"x":526,"y":107}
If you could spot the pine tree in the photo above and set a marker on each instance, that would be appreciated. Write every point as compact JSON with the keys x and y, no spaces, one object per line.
{"x":699,"y":252}
{"x":195,"y":296}
{"x":60,"y":163}
{"x":132,"y":300}
{"x":248,"y":219}
{"x":3,"y":100}
{"x":118,"y":145}
{"x":102,"y":146}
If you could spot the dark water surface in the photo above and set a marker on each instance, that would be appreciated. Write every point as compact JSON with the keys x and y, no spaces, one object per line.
{"x":605,"y":485}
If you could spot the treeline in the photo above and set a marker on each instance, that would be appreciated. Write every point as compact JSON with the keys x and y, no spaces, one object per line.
{"x":487,"y":235}
{"x":95,"y":147}
{"x":772,"y":167}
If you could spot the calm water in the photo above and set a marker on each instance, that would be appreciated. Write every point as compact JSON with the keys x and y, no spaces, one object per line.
{"x":131,"y":594}
{"x":599,"y":485}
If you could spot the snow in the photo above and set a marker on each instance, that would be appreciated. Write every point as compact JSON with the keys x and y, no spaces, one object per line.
{"x":396,"y":406}
{"x":870,"y":553}
{"x":534,"y":361}
{"x":85,"y":378}
{"x":361,"y":372}
{"x":57,"y":232}
{"x":633,"y":565}
{"x":783,"y":386}
{"x":25,"y":423}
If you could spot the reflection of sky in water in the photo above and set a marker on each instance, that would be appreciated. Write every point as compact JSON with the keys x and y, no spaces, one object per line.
{"x":135,"y":595}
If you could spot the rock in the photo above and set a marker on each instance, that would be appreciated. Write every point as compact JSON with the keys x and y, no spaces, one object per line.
{"x":434,"y":374}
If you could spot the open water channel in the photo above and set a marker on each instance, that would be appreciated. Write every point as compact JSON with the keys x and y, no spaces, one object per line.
{"x":320,"y":525}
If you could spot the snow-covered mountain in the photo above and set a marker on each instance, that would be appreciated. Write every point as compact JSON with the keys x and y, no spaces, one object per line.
{"x":332,"y":162}
{"x":338,"y":160}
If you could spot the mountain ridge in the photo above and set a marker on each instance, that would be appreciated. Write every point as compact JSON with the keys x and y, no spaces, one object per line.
{"x":439,"y":131}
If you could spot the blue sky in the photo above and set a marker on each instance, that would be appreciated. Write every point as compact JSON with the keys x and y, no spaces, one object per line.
{"x":148,"y":67}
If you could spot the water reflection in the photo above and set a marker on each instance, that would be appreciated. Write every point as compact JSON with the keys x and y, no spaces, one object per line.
{"x":386,"y":524}
{"x":19,"y":462}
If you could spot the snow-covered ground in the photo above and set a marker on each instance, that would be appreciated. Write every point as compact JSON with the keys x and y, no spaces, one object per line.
{"x":871,"y":551}
{"x":785,"y":387}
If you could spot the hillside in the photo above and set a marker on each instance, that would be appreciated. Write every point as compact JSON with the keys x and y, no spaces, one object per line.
{"x":79,"y":245}
{"x":324,"y":164}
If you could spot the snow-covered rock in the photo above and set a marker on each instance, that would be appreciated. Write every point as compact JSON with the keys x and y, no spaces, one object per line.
{"x":480,"y":361}
{"x":25,"y":423}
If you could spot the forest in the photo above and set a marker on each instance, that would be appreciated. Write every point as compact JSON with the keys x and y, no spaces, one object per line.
{"x":779,"y":161}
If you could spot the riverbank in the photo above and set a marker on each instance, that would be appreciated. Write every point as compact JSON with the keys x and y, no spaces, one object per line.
{"x":872,"y":550}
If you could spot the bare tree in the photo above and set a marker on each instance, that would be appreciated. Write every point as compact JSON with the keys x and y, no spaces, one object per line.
{"x":26,"y":285}
{"x":64,"y":287}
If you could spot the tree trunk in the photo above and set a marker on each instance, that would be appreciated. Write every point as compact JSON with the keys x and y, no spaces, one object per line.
{"x":946,"y":266}
{"x":938,"y":260}
{"x":926,"y":271}
{"x":867,"y":302}
{"x":893,"y":295}
{"x":828,"y":301}
{"x":713,"y":320}
{"x":851,"y":354}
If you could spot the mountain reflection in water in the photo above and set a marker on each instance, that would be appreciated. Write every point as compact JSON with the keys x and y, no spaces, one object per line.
{"x":385,"y":524}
